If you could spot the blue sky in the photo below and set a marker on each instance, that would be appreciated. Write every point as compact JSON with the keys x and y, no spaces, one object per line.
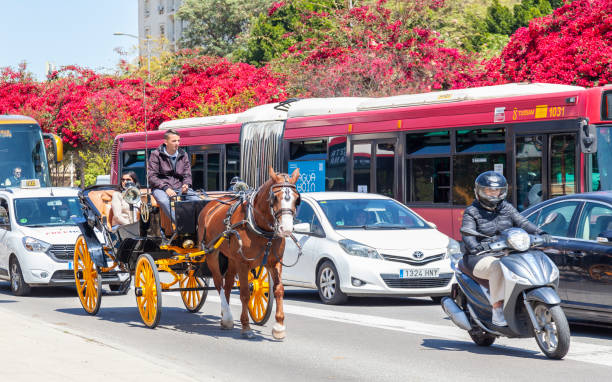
{"x":66,"y":32}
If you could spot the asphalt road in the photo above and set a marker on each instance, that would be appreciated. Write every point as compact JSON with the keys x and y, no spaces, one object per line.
{"x":381,"y":339}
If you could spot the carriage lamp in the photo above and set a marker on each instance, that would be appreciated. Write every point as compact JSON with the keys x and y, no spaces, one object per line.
{"x":188,"y":244}
{"x":35,"y":245}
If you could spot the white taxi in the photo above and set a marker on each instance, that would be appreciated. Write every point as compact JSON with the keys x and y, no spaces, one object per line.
{"x":37,"y":236}
{"x":357,"y":244}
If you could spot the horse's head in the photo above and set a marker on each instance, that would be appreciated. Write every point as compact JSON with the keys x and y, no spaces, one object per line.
{"x":284,"y":199}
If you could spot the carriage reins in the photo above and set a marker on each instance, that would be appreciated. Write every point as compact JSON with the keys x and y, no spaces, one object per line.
{"x":249,"y":221}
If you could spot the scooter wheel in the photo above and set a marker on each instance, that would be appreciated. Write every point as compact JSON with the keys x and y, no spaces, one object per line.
{"x":554,"y":338}
{"x":481,"y":338}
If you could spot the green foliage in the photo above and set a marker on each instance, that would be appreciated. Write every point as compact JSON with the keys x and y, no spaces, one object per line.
{"x":283,"y":25}
{"x":214,"y":25}
{"x":530,"y":9}
{"x":500,"y":19}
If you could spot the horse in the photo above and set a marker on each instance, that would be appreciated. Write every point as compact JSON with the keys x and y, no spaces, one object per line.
{"x":254,"y":226}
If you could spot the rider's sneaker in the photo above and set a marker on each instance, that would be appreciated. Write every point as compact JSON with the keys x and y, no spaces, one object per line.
{"x":498,"y":317}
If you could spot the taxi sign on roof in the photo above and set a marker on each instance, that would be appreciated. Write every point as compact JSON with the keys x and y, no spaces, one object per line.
{"x":30,"y":183}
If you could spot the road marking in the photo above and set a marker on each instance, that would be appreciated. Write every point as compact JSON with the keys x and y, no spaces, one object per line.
{"x":579,"y":351}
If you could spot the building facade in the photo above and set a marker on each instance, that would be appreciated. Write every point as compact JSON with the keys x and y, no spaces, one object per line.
{"x":157,"y":21}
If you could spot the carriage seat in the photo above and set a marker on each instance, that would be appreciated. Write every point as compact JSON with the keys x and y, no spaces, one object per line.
{"x":101,"y":199}
{"x":466,"y":271}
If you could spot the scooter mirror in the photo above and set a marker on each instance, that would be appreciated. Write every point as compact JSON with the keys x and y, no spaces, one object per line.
{"x":549,"y":219}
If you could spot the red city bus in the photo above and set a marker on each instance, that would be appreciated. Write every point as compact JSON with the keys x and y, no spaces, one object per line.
{"x":424,"y":150}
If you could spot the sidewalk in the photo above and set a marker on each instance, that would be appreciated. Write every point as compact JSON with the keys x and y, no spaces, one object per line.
{"x":32,"y":350}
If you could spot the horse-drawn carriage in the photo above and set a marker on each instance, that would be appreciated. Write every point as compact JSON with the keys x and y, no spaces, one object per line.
{"x":206,"y":241}
{"x":142,"y":251}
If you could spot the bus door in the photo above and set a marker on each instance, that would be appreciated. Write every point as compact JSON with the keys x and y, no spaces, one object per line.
{"x":373,"y":166}
{"x":545,"y":167}
{"x":206,"y":170}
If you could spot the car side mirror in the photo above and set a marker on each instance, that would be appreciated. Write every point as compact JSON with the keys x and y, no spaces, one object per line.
{"x":605,"y":237}
{"x":549,"y":219}
{"x":303,"y":228}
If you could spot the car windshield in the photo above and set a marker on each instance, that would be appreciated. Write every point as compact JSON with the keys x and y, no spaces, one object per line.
{"x":47,"y":211}
{"x":370,"y":214}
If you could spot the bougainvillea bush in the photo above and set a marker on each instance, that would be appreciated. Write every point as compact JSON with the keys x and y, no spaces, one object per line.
{"x":571,"y":46}
{"x":369,"y":52}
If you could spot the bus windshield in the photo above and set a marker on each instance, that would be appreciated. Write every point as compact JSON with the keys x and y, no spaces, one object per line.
{"x":22,"y":155}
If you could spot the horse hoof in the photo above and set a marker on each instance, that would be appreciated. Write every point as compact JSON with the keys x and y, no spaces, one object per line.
{"x":227,"y":325}
{"x":278,"y":332}
{"x":248,"y":334}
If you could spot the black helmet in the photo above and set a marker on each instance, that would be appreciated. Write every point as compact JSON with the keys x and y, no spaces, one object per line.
{"x":490,"y":180}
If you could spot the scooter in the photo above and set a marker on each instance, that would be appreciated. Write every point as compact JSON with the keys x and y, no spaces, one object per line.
{"x":531,"y":302}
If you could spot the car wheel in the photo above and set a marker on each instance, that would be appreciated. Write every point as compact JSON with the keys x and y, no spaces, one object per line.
{"x":18,"y":286}
{"x":328,"y":284}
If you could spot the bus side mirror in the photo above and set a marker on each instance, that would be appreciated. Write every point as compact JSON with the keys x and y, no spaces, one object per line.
{"x":588,"y":138}
{"x":58,"y":146}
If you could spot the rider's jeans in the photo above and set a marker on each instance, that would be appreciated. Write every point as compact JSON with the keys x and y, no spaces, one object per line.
{"x":489,"y":268}
{"x":163,"y":200}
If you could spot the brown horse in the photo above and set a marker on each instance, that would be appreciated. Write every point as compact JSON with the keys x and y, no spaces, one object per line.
{"x":256,"y":224}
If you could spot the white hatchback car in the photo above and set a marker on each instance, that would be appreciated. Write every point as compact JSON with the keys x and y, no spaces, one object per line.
{"x":356,"y":244}
{"x":37,"y":237}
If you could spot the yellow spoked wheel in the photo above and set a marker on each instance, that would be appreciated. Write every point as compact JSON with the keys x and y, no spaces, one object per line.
{"x":87,"y":278}
{"x":193,"y":299}
{"x":260,"y":303}
{"x":148,"y":290}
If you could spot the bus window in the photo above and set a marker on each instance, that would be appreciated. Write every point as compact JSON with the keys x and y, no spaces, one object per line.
{"x":232,"y":162}
{"x":480,"y":140}
{"x":308,"y":150}
{"x":528,"y":171}
{"x":335,"y":167}
{"x":134,"y":161}
{"x":429,"y":177}
{"x":563,"y":164}
{"x":385,"y":168}
{"x":602,"y":160}
{"x":465,"y":170}
{"x":22,"y":146}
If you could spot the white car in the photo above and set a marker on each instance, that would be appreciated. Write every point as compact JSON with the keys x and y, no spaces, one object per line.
{"x":356,"y":244}
{"x":37,"y":237}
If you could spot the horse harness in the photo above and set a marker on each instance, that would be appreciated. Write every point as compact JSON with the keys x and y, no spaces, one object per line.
{"x":248,"y":198}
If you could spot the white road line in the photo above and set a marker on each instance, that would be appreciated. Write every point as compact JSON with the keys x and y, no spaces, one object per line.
{"x":579,"y":351}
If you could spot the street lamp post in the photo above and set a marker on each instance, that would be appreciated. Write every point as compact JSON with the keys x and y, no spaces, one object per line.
{"x":144,"y":93}
{"x":144,"y":98}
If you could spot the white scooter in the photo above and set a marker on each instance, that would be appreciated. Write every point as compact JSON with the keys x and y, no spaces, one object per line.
{"x":531,"y":303}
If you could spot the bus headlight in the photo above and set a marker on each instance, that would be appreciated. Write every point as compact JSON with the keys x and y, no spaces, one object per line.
{"x":35,"y":245}
{"x":357,"y":249}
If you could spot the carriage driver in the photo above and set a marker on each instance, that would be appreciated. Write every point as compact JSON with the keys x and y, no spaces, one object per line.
{"x":169,"y":172}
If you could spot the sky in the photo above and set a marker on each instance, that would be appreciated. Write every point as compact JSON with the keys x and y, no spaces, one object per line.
{"x":67,"y":32}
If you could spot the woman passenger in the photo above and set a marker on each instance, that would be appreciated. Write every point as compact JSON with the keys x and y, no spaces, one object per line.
{"x":123,"y":213}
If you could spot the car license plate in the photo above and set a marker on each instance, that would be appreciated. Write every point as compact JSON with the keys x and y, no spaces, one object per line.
{"x":419,"y":273}
{"x":70,"y":265}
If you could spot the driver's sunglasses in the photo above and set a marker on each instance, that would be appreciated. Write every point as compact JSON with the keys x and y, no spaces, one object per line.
{"x":126,"y":179}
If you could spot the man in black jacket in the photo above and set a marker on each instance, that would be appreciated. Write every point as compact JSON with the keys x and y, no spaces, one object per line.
{"x":490,"y":214}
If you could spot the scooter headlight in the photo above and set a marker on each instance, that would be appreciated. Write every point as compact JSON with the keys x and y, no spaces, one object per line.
{"x":518,"y":239}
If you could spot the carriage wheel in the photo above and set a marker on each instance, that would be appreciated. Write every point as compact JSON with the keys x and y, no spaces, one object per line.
{"x":193,"y":300}
{"x":148,"y":290}
{"x":87,"y":278}
{"x":260,"y":303}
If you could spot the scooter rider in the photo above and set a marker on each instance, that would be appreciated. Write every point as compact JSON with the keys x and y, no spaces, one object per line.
{"x":490,"y":214}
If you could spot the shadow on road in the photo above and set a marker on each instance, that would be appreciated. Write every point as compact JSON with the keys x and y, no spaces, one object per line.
{"x":312,"y":296}
{"x":464,"y":346}
{"x":173,"y":319}
{"x":50,"y":292}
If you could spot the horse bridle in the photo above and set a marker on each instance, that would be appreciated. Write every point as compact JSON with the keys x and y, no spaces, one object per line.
{"x":285,"y":188}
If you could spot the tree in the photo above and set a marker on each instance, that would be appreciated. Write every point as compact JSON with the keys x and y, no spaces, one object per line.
{"x":214,"y":25}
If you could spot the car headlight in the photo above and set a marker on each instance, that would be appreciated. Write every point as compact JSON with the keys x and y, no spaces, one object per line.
{"x":35,"y":245}
{"x":518,"y":239}
{"x":357,"y":249}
